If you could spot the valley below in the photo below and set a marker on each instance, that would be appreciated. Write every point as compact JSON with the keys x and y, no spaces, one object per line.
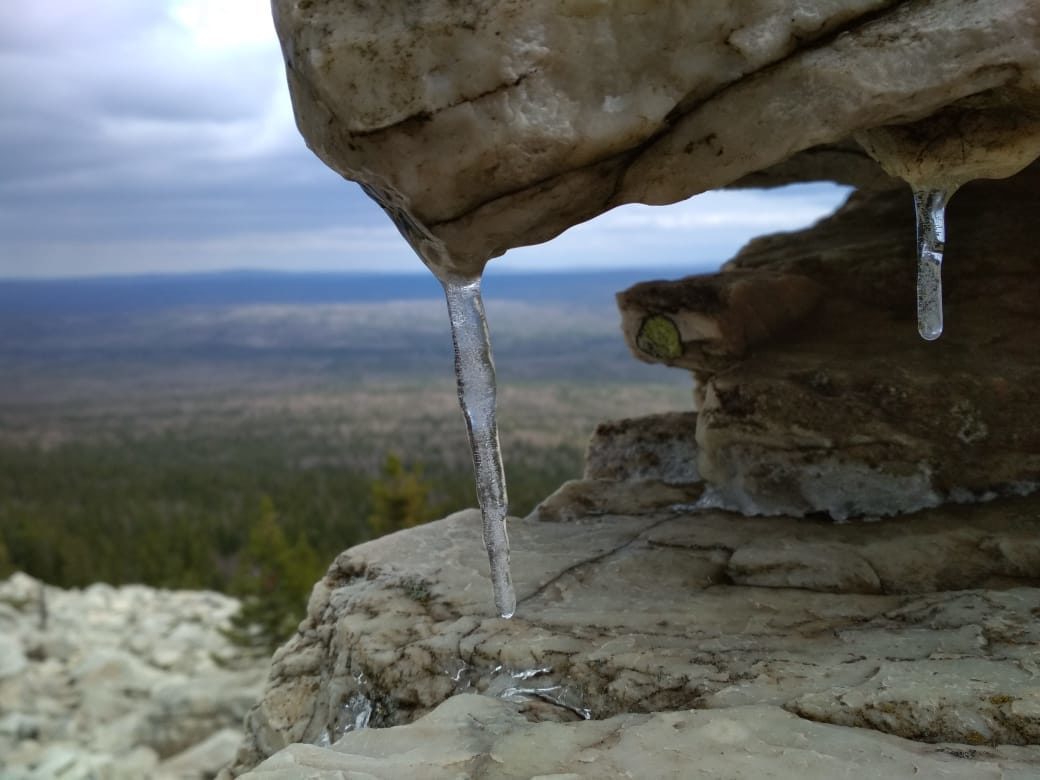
{"x":142,"y":443}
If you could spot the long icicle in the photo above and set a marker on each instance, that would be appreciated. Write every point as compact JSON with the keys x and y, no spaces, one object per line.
{"x":475,"y":374}
{"x":930,"y":207}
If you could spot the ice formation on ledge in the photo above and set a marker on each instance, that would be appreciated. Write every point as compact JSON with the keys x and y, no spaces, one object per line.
{"x":475,"y":375}
{"x":930,"y":208}
{"x":475,"y":379}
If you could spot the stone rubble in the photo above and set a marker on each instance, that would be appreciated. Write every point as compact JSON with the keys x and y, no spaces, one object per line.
{"x":108,"y":683}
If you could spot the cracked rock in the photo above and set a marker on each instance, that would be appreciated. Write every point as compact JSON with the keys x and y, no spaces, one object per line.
{"x":680,"y":609}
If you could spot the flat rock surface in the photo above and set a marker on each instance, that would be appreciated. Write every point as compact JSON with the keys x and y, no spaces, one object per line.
{"x":923,"y":628}
{"x":484,"y":126}
{"x":817,"y":394}
{"x":478,"y":737}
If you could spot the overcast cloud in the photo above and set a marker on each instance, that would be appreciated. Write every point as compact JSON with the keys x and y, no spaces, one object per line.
{"x":141,"y":136}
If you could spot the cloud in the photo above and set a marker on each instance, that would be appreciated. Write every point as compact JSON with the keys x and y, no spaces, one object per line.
{"x":320,"y":249}
{"x":736,"y":209}
{"x":698,"y":234}
{"x":109,"y":90}
{"x":144,"y":136}
{"x":156,"y":134}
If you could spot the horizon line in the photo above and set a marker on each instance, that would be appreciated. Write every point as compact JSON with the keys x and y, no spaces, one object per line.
{"x":421,"y":271}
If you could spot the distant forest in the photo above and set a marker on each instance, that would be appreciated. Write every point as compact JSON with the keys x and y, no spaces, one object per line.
{"x":230,"y":516}
{"x":237,"y":432}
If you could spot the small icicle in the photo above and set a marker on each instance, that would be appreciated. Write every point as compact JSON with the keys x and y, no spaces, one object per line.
{"x":475,"y":375}
{"x":930,"y":206}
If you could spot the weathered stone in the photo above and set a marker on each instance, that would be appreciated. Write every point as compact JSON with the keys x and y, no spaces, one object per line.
{"x":481,"y":127}
{"x":590,"y":497}
{"x":985,"y":137}
{"x":632,"y":467}
{"x":803,"y":564}
{"x":621,"y":614}
{"x":12,"y":658}
{"x":113,"y":679}
{"x":716,"y":319}
{"x":841,"y":408}
{"x":477,"y":737}
{"x":658,"y":447}
{"x":206,"y":758}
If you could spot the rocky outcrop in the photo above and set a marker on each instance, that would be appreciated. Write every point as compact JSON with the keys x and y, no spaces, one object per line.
{"x":648,"y":606}
{"x":480,"y":127}
{"x":109,"y":683}
{"x":474,"y":736}
{"x":919,"y":628}
{"x":658,"y":629}
{"x":816,"y":394}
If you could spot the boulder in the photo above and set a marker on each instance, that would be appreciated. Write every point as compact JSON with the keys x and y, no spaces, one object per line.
{"x":206,"y":758}
{"x":185,"y":713}
{"x":481,"y":127}
{"x":816,"y":394}
{"x":921,"y":628}
{"x":12,"y":658}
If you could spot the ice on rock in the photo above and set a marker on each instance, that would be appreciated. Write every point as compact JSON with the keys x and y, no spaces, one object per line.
{"x":930,"y":206}
{"x":475,"y":375}
{"x":987,"y":137}
{"x":354,"y":715}
{"x":475,"y":378}
{"x":512,"y":685}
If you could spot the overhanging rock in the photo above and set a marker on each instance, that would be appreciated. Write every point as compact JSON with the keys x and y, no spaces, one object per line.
{"x":485,"y":126}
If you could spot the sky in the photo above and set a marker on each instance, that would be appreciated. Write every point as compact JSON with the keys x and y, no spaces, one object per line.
{"x":142,"y":136}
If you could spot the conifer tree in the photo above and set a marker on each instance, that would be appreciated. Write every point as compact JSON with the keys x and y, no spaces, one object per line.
{"x":400,"y":498}
{"x":273,"y":579}
{"x":5,"y":560}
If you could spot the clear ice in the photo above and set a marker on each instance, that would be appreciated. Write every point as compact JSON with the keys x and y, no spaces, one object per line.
{"x":475,"y":375}
{"x":509,"y":685}
{"x":930,"y":206}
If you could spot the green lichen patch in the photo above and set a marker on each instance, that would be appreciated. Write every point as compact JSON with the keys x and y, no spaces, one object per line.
{"x":417,"y":589}
{"x":659,"y":337}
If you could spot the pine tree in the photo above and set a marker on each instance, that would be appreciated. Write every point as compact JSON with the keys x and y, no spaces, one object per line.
{"x":273,"y":579}
{"x":400,"y":498}
{"x":5,"y":560}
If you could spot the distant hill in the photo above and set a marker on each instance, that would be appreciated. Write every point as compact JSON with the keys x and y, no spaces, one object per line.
{"x":192,"y":329}
{"x":113,"y":294}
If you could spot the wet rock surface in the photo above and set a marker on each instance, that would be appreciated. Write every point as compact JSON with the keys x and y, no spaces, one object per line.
{"x":481,"y":127}
{"x":816,"y":392}
{"x":129,"y":682}
{"x":921,"y":628}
